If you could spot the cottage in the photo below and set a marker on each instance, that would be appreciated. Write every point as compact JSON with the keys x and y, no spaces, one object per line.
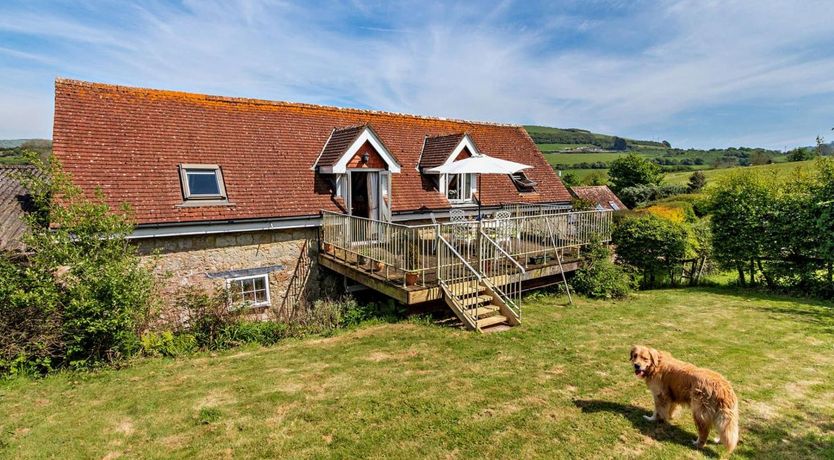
{"x":267,"y":198}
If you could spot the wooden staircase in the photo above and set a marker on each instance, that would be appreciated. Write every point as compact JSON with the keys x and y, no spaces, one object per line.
{"x":477,"y":306}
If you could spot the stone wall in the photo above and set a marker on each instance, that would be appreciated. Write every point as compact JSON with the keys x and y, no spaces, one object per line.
{"x":189,"y":260}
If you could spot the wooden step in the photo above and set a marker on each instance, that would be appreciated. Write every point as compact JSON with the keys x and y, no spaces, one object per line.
{"x":481,"y":299}
{"x":483,"y":312}
{"x":492,"y":320}
{"x":462,"y":289}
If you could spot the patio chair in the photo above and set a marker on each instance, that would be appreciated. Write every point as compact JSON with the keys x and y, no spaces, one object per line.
{"x":462,"y":230}
{"x":505,"y":227}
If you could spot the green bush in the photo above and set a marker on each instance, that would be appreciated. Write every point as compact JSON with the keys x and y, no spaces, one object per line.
{"x":80,"y":296}
{"x":652,"y":245}
{"x":243,"y":332}
{"x":638,"y":195}
{"x":601,"y":278}
{"x":168,"y":344}
{"x":207,"y":314}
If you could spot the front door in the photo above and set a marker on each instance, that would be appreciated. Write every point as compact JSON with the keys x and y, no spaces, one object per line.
{"x":370,"y":194}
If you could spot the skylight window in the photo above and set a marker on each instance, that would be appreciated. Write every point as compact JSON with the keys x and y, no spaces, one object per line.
{"x":522,"y":183}
{"x":202,"y":182}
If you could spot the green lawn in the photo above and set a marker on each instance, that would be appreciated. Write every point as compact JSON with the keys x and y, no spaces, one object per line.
{"x":712,"y":174}
{"x":558,"y":386}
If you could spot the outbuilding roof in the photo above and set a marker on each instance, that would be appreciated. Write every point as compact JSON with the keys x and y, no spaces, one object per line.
{"x":15,"y":202}
{"x":129,"y":142}
{"x":600,"y":195}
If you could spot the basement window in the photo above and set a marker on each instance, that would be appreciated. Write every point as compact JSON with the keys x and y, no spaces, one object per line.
{"x":249,"y":291}
{"x":202,"y":182}
{"x":522,"y":183}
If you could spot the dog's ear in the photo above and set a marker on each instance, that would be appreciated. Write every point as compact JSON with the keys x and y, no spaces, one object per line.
{"x":655,"y":356}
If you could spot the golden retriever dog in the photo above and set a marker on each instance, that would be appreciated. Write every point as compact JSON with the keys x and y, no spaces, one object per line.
{"x":675,"y":383}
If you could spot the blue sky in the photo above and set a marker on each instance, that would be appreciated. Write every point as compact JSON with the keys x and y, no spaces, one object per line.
{"x":698,"y":73}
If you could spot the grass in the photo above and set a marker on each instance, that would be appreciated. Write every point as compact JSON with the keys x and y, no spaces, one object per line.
{"x":558,"y":386}
{"x":780,"y":168}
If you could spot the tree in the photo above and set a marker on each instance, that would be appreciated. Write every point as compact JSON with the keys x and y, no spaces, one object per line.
{"x":595,"y":178}
{"x":633,"y":170}
{"x":570,"y":178}
{"x":652,"y":245}
{"x":619,"y":144}
{"x":667,"y":144}
{"x":800,"y":154}
{"x":823,"y":209}
{"x":740,"y":204}
{"x":760,"y":158}
{"x":697,"y":181}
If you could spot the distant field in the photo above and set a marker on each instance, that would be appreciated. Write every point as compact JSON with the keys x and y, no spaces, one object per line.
{"x":583,"y":173}
{"x":558,"y":147}
{"x":573,"y":158}
{"x":712,"y":174}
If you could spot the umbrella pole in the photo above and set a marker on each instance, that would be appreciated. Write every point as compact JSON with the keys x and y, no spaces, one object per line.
{"x":479,"y":197}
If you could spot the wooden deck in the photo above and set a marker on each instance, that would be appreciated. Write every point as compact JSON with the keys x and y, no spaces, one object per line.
{"x":391,"y":282}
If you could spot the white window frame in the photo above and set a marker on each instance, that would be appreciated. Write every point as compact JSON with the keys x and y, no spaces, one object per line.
{"x":245,"y":303}
{"x":218,"y":174}
{"x":614,"y":205}
{"x":469,"y":191}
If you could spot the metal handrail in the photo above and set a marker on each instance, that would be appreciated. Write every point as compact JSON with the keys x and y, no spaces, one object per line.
{"x":505,"y":253}
{"x":465,"y":263}
{"x":509,"y":292}
{"x":460,"y":280}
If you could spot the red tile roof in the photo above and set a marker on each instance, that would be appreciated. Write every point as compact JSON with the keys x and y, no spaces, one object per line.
{"x":338,"y":143}
{"x":598,"y":194}
{"x":436,"y":149}
{"x":129,"y":141}
{"x":14,"y":203}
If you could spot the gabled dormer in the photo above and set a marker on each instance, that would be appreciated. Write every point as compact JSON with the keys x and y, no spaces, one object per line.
{"x":442,"y":150}
{"x":355,"y":147}
{"x":358,"y":167}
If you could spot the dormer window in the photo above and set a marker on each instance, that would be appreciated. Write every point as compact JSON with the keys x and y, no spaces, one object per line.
{"x":202,"y":182}
{"x":459,"y":187}
{"x":522,"y":183}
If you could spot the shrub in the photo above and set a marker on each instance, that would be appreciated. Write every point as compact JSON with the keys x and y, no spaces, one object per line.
{"x":243,"y":332}
{"x":636,"y":195}
{"x":82,"y":292}
{"x":641,"y":194}
{"x":168,"y":344}
{"x":570,"y":178}
{"x":599,"y":277}
{"x":31,"y":339}
{"x":652,"y":245}
{"x":206,"y":314}
{"x":697,"y":181}
{"x":595,"y":178}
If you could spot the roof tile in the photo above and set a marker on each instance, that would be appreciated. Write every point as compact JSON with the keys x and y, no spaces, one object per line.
{"x":129,"y":141}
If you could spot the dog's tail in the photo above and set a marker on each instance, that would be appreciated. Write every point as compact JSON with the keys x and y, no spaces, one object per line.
{"x":727,"y":424}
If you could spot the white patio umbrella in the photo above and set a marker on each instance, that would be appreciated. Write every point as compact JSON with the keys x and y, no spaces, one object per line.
{"x":480,"y":164}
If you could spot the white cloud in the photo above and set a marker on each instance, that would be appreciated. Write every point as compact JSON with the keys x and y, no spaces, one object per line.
{"x":458,"y":61}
